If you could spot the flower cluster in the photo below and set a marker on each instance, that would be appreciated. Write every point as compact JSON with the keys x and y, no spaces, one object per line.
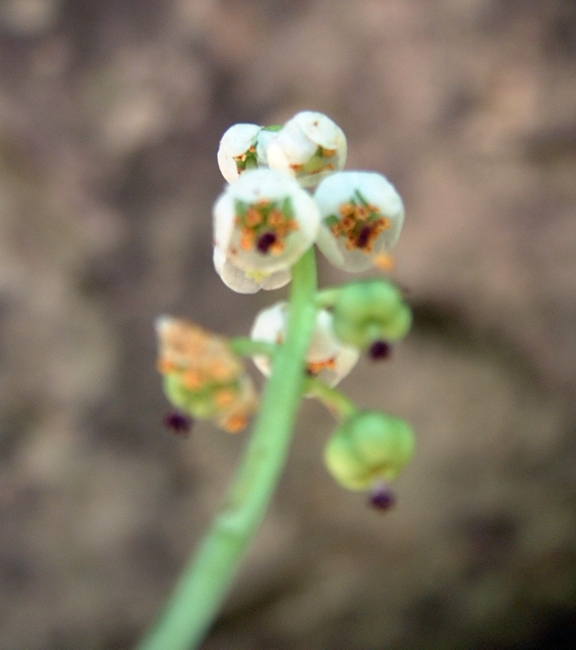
{"x":286,"y":192}
{"x":264,"y":221}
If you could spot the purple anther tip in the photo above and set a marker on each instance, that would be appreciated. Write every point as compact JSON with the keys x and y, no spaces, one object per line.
{"x":178,"y":423}
{"x":379,"y":350}
{"x":382,"y":498}
{"x":265,"y":241}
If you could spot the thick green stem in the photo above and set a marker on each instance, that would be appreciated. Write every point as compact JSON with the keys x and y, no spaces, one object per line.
{"x":205,"y":581}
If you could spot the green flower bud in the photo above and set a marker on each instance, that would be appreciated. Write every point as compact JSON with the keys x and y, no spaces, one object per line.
{"x":368,"y":447}
{"x":369,"y":311}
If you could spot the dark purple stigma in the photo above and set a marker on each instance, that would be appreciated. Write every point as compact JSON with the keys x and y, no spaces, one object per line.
{"x":363,"y":237}
{"x":265,"y":241}
{"x":379,"y":350}
{"x":178,"y":423}
{"x":382,"y":498}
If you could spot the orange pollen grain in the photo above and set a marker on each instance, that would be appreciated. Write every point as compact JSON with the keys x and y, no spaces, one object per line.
{"x":314,"y":367}
{"x":235,"y":423}
{"x":192,"y":379}
{"x":384,"y":262}
{"x":165,"y":366}
{"x":223,"y":398}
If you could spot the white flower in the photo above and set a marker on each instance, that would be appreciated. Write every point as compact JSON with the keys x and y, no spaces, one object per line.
{"x":237,"y":150}
{"x":243,"y":282}
{"x":310,"y":147}
{"x":362,"y":215}
{"x":264,"y":222}
{"x":327,"y":358}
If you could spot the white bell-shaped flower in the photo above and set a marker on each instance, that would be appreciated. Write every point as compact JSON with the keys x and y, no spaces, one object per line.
{"x":246,"y":282}
{"x":237,"y":150}
{"x":310,"y":147}
{"x":264,"y":222}
{"x":362,"y":216}
{"x":327,"y":359}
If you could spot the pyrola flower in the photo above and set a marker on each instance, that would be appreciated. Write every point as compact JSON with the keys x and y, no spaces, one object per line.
{"x":327,"y":358}
{"x":202,"y":376}
{"x":264,"y":222}
{"x":362,"y":215}
{"x":309,"y":147}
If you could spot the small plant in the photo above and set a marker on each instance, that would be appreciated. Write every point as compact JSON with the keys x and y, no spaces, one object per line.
{"x":266,"y":223}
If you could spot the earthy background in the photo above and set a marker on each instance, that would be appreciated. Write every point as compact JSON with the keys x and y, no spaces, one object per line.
{"x":111,"y":112}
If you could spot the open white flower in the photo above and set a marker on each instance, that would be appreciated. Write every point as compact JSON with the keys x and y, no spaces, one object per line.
{"x":327,"y":358}
{"x":362,"y":215}
{"x":246,"y":282}
{"x":237,"y":150}
{"x":310,"y":147}
{"x":264,"y":222}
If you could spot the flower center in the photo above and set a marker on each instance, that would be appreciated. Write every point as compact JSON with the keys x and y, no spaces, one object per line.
{"x":246,"y":160}
{"x":359,"y":223}
{"x":265,"y":225}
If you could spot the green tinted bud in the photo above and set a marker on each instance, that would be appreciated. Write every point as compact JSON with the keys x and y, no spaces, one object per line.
{"x":368,"y":447}
{"x":365,"y":312}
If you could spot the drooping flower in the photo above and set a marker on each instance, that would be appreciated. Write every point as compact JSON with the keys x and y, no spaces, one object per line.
{"x":237,"y":150}
{"x":327,"y":359}
{"x":309,"y":147}
{"x":362,"y":215}
{"x":202,"y":375}
{"x":263,"y":223}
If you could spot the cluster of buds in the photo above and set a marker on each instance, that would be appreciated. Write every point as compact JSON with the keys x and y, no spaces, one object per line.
{"x":286,"y":192}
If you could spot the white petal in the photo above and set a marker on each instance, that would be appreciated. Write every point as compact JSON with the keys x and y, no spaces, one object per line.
{"x":235,"y":142}
{"x":295,"y":149}
{"x":269,"y":327}
{"x":237,"y":280}
{"x":320,"y":129}
{"x":263,"y":140}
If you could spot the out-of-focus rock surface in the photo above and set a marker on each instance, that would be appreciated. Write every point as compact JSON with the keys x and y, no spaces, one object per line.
{"x":110,"y":116}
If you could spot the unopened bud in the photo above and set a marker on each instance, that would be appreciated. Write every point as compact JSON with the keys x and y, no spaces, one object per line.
{"x":368,"y":447}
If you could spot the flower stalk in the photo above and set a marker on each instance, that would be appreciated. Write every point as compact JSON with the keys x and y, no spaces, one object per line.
{"x":205,"y":581}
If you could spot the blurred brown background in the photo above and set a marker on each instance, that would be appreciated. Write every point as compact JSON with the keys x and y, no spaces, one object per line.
{"x":110,"y":116}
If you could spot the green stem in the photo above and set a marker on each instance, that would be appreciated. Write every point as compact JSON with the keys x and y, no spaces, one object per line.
{"x":205,"y":581}
{"x":246,"y":347}
{"x":327,"y":297}
{"x":335,"y":401}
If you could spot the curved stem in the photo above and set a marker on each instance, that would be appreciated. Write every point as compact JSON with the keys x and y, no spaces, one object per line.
{"x":336,"y":402}
{"x":206,"y":579}
{"x":327,"y":297}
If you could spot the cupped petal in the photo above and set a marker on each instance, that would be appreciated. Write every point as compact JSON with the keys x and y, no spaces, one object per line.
{"x":362,"y":216}
{"x":264,"y":222}
{"x":237,"y":150}
{"x":309,"y":147}
{"x":237,"y":280}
